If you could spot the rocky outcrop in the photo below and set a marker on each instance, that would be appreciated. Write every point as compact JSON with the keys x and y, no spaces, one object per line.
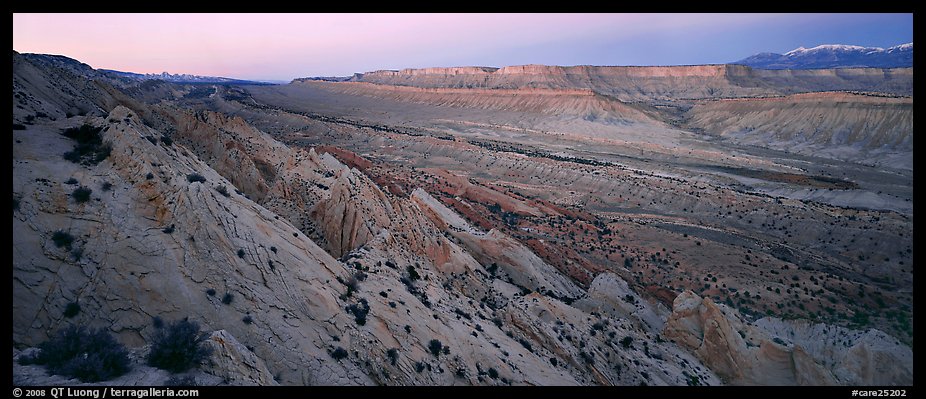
{"x":234,"y":363}
{"x":777,"y":352}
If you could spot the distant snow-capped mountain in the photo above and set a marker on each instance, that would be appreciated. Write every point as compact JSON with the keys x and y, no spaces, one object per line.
{"x":834,"y":56}
{"x":177,"y":78}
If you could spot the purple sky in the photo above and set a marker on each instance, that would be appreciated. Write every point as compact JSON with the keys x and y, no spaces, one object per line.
{"x":286,"y":46}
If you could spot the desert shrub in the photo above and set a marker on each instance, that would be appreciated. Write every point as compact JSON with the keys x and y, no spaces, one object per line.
{"x":338,"y":353}
{"x":90,"y":149}
{"x":157,"y":322}
{"x":247,"y":319}
{"x":81,"y":194}
{"x":195,"y":177}
{"x":210,"y":292}
{"x":526,"y":344}
{"x":627,"y":342}
{"x":435,"y":347}
{"x":412,"y":273}
{"x":88,"y":355}
{"x":222,"y":190}
{"x":393,"y":355}
{"x":228,"y":298}
{"x":62,"y":238}
{"x":419,"y":367}
{"x":71,"y":181}
{"x":241,"y":253}
{"x":178,"y":347}
{"x":177,"y":381}
{"x":15,"y":203}
{"x":149,"y":176}
{"x":493,"y":373}
{"x":19,"y":126}
{"x":167,"y":140}
{"x":107,"y":186}
{"x":359,"y":310}
{"x":168,"y":229}
{"x":71,"y":310}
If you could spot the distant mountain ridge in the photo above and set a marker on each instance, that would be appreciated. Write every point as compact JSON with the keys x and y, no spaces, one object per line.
{"x":834,"y":56}
{"x":180,"y":78}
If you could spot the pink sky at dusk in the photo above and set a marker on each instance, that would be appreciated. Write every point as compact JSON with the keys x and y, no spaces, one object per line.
{"x":286,"y":46}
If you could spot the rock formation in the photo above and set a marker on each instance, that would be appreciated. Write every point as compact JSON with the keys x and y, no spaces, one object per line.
{"x":772,"y":351}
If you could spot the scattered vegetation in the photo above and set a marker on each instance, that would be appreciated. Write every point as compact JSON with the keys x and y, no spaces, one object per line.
{"x":106,"y":186}
{"x":19,"y":126}
{"x":71,"y":181}
{"x":62,"y":238}
{"x":393,"y":355}
{"x":81,"y":194}
{"x":339,"y":353}
{"x":195,"y":177}
{"x":241,"y":253}
{"x":178,"y":347}
{"x":71,"y":310}
{"x":210,"y":292}
{"x":15,"y":203}
{"x":435,"y":347}
{"x":149,"y":176}
{"x":90,"y":149}
{"x":88,"y":355}
{"x":627,"y":342}
{"x":247,"y":320}
{"x":222,"y":190}
{"x":227,"y":298}
{"x":412,"y":273}
{"x":169,"y":229}
{"x":360,"y":311}
{"x":167,"y":141}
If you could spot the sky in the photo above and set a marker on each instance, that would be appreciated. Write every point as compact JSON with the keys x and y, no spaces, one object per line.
{"x":287,"y":46}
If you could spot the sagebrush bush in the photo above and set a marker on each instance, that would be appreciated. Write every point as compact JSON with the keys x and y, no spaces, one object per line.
{"x":90,"y":149}
{"x":195,"y":177}
{"x":62,"y":238}
{"x":88,"y":355}
{"x":339,"y":353}
{"x":178,"y":347}
{"x":81,"y":194}
{"x":435,"y":347}
{"x":222,"y":190}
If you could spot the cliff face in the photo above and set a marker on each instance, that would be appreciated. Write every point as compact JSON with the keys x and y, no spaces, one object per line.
{"x":653,"y":83}
{"x":806,"y":121}
{"x":575,"y":103}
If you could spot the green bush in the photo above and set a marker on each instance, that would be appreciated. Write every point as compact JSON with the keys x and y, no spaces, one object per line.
{"x":178,"y":347}
{"x":62,"y":238}
{"x":90,"y":149}
{"x":195,"y":177}
{"x":435,"y":347}
{"x":339,"y":353}
{"x":88,"y":355}
{"x":81,"y":194}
